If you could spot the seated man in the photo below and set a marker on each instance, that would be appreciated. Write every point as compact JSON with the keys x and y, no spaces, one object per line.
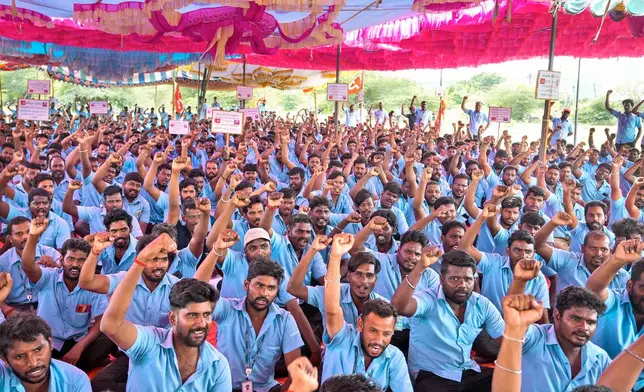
{"x":25,"y":349}
{"x":180,"y":354}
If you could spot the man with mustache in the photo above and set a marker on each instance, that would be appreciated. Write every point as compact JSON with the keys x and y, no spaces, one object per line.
{"x":320,"y":211}
{"x":364,"y":346}
{"x":252,"y":331}
{"x":595,"y":186}
{"x":574,"y":268}
{"x":177,"y":350}
{"x":621,"y":324}
{"x":444,"y":211}
{"x":68,"y":309}
{"x":22,"y":296}
{"x":284,"y":214}
{"x":560,"y":356}
{"x":57,"y":169}
{"x":120,"y":255}
{"x":381,"y":239}
{"x":629,"y":124}
{"x":595,"y":220}
{"x":27,"y":364}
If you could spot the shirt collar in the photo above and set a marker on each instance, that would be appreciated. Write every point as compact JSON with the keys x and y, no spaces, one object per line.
{"x":206,"y":355}
{"x":61,"y":279}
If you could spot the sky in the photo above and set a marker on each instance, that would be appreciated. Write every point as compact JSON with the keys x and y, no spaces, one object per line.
{"x":597,"y":76}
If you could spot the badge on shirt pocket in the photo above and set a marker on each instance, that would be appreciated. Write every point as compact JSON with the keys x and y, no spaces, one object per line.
{"x":247,"y":386}
{"x":83,"y":308}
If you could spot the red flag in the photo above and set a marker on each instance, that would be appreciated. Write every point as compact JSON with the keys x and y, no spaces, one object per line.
{"x":178,"y":104}
{"x":356,"y":86}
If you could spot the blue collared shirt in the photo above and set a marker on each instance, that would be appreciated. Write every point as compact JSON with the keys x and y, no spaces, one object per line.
{"x":371,"y":244}
{"x":283,"y":253}
{"x":138,"y":208}
{"x":627,"y":126}
{"x":61,"y":189}
{"x":148,"y":308}
{"x":153,"y":354}
{"x":591,"y":190}
{"x":617,"y":327}
{"x":390,"y":277}
{"x":279,"y":226}
{"x":56,"y":233}
{"x":572,"y":270}
{"x":107,"y":258}
{"x":241,"y":227}
{"x":344,"y":355}
{"x":11,"y":262}
{"x":476,"y":120}
{"x":546,"y":368}
{"x":68,"y":313}
{"x":185,"y":263}
{"x":578,"y":234}
{"x":439,"y":342}
{"x":62,"y":377}
{"x":349,"y":310}
{"x":342,"y":206}
{"x":239,"y":343}
{"x":497,"y":278}
{"x":95,"y":215}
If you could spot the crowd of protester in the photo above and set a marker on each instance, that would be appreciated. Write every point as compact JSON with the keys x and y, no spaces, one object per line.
{"x":303,"y":255}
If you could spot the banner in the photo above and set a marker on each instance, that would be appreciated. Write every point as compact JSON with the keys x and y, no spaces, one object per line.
{"x":38,"y":87}
{"x":178,"y":104}
{"x":244,"y":92}
{"x":33,"y":109}
{"x":251,"y":112}
{"x":179,"y":127}
{"x":337,"y":92}
{"x":98,"y":107}
{"x":227,"y":122}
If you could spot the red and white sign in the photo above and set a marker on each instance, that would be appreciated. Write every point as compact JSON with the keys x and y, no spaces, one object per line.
{"x":38,"y":87}
{"x":179,"y":127}
{"x":500,"y":114}
{"x":98,"y":107}
{"x":244,"y":92}
{"x":548,"y":85}
{"x":33,"y":109}
{"x":337,"y":92}
{"x":227,"y":122}
{"x":251,"y":112}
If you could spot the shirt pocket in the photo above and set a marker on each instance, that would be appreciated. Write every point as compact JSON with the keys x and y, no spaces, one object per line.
{"x":80,"y":319}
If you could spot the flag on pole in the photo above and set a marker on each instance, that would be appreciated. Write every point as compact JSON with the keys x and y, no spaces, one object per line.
{"x":178,"y":103}
{"x":356,"y":86}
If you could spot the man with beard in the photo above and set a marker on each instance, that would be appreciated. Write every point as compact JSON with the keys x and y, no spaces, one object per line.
{"x":500,"y":272}
{"x":363,"y":347}
{"x":95,"y":216}
{"x":445,"y":323}
{"x":251,"y":216}
{"x":69,"y":310}
{"x":57,"y":169}
{"x":596,"y":187}
{"x":365,"y":178}
{"x":391,"y":198}
{"x":560,"y":356}
{"x":212,"y":170}
{"x":27,"y":364}
{"x":595,"y":220}
{"x":320,"y":211}
{"x":120,"y":255}
{"x":378,"y":238}
{"x":177,"y":350}
{"x":253,"y":332}
{"x":155,"y":184}
{"x":630,"y":207}
{"x":629,"y":125}
{"x":353,"y":222}
{"x":296,"y":178}
{"x":444,"y":211}
{"x":22,"y":296}
{"x":459,"y":186}
{"x":574,"y":269}
{"x":284,"y":214}
{"x":39,"y":201}
{"x":334,"y":190}
{"x":562,"y":127}
{"x":622,"y":322}
{"x":425,"y":196}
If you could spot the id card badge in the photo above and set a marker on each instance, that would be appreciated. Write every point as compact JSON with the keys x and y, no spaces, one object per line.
{"x":247,"y":386}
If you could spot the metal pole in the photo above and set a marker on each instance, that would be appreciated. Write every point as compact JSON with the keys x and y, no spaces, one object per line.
{"x":1,"y":103}
{"x":174,"y":88}
{"x":546,"y":106}
{"x":577,"y":98}
{"x":337,"y":80}
{"x":243,"y":102}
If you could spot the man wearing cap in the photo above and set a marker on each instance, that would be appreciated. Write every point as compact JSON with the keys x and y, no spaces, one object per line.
{"x":561,"y":127}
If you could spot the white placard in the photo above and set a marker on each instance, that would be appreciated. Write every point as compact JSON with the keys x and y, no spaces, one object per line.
{"x":179,"y":127}
{"x":244,"y":92}
{"x":548,"y":85}
{"x":98,"y":107}
{"x":210,"y":110}
{"x":337,"y":92}
{"x":439,"y":91}
{"x":227,"y":122}
{"x":33,"y":109}
{"x":38,"y":87}
{"x":251,"y":112}
{"x":500,"y":114}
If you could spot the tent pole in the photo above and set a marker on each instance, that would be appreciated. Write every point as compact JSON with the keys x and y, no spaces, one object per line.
{"x":174,"y":88}
{"x":577,"y":98}
{"x":243,"y":101}
{"x":1,"y":103}
{"x":156,"y":94}
{"x":546,"y":106}
{"x":336,"y":115}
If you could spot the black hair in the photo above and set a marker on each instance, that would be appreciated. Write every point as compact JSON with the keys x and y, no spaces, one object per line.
{"x":288,"y":193}
{"x":263,"y":266}
{"x":452,"y":224}
{"x":628,"y":100}
{"x":457,"y":258}
{"x":297,"y":171}
{"x":393,"y":187}
{"x":319,"y":201}
{"x":337,"y":174}
{"x":578,"y":297}
{"x":249,"y":167}
{"x":300,"y":218}
{"x":510,"y":167}
{"x":167,"y":228}
{"x":511,"y":202}
{"x":360,"y":160}
{"x":23,"y":327}
{"x":637,"y":269}
{"x":39,"y":192}
{"x":189,"y":204}
{"x":194,"y":173}
{"x":520,"y":235}
{"x":362,"y":196}
{"x":189,"y":290}
{"x":533,"y":219}
{"x":117,"y":214}
{"x":593,"y":388}
{"x":75,"y":244}
{"x":595,"y":203}
{"x":31,"y":165}
{"x":243,"y":185}
{"x":112,"y":190}
{"x":501,"y":154}
{"x":186,"y":182}
{"x":16,"y":221}
{"x":471,"y":162}
{"x":361,"y":258}
{"x":253,"y":200}
{"x":349,"y":383}
{"x":444,"y":200}
{"x":164,"y":166}
{"x":626,"y":228}
{"x":389,"y":215}
{"x":461,"y":176}
{"x":380,"y":308}
{"x":414,"y":236}
{"x":40,"y":178}
{"x":536,"y":191}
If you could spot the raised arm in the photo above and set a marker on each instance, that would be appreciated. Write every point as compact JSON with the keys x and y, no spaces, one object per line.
{"x":334,"y":317}
{"x":623,"y":372}
{"x":36,"y":228}
{"x":483,"y":158}
{"x":238,"y":200}
{"x":626,"y":252}
{"x":403,"y":299}
{"x":373,"y":172}
{"x":607,"y":101}
{"x":467,"y":242}
{"x":89,"y":279}
{"x":577,"y":164}
{"x":463,"y":104}
{"x":615,"y":190}
{"x":178,"y":164}
{"x":419,"y":196}
{"x":226,"y":240}
{"x":113,"y":323}
{"x":296,"y":285}
{"x":632,"y":209}
{"x":148,"y":182}
{"x":526,"y":270}
{"x":68,"y":201}
{"x":541,"y":237}
{"x":569,"y":186}
{"x":101,"y":172}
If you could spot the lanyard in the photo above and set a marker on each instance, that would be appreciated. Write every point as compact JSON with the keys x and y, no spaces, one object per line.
{"x":26,"y":285}
{"x":250,"y":361}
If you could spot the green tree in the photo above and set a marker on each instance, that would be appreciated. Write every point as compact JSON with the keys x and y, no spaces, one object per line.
{"x":593,"y":112}
{"x":519,"y":97}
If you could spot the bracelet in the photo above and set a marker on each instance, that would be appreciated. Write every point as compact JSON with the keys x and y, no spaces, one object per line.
{"x":513,"y":339}
{"x":82,"y":150}
{"x":633,"y":354}
{"x":217,"y":254}
{"x":517,"y":372}
{"x":225,"y":201}
{"x":326,"y":281}
{"x":139,"y":262}
{"x":409,"y":283}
